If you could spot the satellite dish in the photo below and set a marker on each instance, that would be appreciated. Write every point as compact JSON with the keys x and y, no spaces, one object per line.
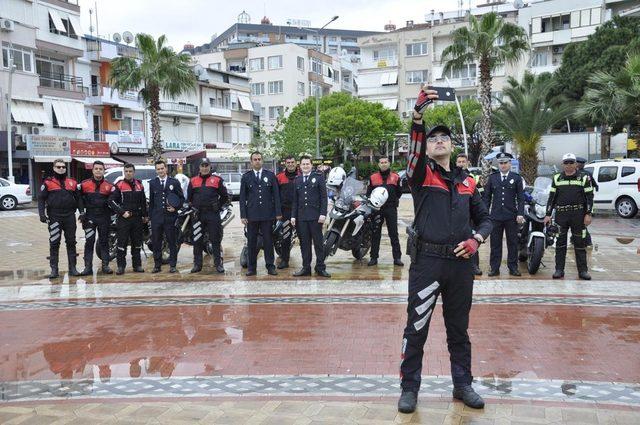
{"x":518,"y":4}
{"x":117,"y":37}
{"x":127,"y":37}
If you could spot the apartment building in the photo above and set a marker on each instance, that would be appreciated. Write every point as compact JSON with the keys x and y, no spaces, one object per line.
{"x":281,"y":75}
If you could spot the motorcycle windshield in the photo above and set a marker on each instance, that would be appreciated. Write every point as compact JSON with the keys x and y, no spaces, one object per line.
{"x":350,"y":189}
{"x":541,"y":190}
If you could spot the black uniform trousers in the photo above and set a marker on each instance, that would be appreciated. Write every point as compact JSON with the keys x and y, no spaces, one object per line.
{"x":96,"y":225}
{"x":311,"y":231}
{"x":287,"y":232}
{"x":209,"y":223}
{"x":265,"y":227}
{"x":165,"y":226}
{"x":510,"y":228}
{"x":57,"y":226}
{"x":573,"y":220}
{"x":429,"y":277}
{"x":129,"y":229}
{"x":390,"y":216}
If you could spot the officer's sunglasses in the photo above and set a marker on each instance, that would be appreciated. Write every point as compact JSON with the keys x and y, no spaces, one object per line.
{"x":443,"y":138}
{"x":568,"y":162}
{"x":60,"y":166}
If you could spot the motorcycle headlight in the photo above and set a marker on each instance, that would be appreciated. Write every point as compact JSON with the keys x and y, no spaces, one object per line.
{"x":541,"y":210}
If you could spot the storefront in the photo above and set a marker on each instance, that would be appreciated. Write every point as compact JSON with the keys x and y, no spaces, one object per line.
{"x":182,"y":157}
{"x":43,"y":150}
{"x":128,"y":147}
{"x":84,"y":153}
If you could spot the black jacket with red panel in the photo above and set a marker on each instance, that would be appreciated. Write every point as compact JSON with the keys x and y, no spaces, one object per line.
{"x":128,"y":196}
{"x":390,"y":181}
{"x":287,"y":188}
{"x":95,"y":197}
{"x":448,"y":201}
{"x":59,"y":196}
{"x":207,"y":193}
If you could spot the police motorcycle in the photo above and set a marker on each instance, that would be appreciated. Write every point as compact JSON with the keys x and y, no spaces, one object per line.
{"x":534,"y":237}
{"x":281,"y":230}
{"x":352,"y":219}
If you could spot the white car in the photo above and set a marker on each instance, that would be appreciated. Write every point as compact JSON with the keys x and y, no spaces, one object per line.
{"x":144,"y":173}
{"x":11,"y":194}
{"x":618,"y":185}
{"x":232,"y":183}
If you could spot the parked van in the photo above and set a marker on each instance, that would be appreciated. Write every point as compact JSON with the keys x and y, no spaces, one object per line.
{"x":144,"y":173}
{"x":618,"y":185}
{"x":232,"y":183}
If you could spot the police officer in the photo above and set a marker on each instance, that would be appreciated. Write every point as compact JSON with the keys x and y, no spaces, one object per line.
{"x":308,"y":214}
{"x":96,"y":217}
{"x":57,"y":204}
{"x":581,"y":163}
{"x":128,"y":200}
{"x":440,"y":245}
{"x":389,"y":211}
{"x":165,"y":197}
{"x":462,"y":161}
{"x":207,"y":194}
{"x":259,"y":207}
{"x":286,"y":187}
{"x":504,"y":195}
{"x":572,"y":197}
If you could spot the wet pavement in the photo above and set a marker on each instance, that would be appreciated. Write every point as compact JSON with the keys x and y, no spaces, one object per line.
{"x":277,"y":349}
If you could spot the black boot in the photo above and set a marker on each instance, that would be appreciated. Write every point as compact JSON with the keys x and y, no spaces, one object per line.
{"x":53,"y":263}
{"x":398,"y":262}
{"x":476,"y":270}
{"x":468,"y":396}
{"x":54,"y":273}
{"x":105,"y":267}
{"x":197,"y":268}
{"x":559,"y":274}
{"x":72,"y":263}
{"x":220,"y":268}
{"x":408,"y":401}
{"x":88,"y":268}
{"x":372,"y":262}
{"x":120,"y":270}
{"x":584,"y":275}
{"x":284,"y":264}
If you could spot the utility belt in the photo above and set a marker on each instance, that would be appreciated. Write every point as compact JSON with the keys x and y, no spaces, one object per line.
{"x":569,"y":208}
{"x":212,"y":207}
{"x":416,"y":246}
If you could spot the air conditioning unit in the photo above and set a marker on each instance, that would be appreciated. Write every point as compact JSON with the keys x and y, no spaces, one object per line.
{"x":405,"y":115}
{"x":116,"y":113}
{"x":7,"y":25}
{"x":34,"y":130}
{"x":176,"y":121}
{"x":558,"y":50}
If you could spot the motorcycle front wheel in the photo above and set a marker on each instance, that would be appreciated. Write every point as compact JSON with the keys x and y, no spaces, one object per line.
{"x":244,"y":257}
{"x":330,"y":241}
{"x":535,"y":255}
{"x":113,"y":248}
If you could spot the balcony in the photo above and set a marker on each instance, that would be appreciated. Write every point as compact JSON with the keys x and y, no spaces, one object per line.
{"x":104,"y":95}
{"x":216,"y":113}
{"x":176,"y":108}
{"x":461,"y":82}
{"x":380,"y":63}
{"x":61,"y":85}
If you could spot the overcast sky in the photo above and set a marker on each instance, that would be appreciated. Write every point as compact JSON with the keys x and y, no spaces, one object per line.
{"x":195,"y":21}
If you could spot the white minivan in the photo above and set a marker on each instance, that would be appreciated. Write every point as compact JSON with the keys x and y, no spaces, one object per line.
{"x":144,"y":173}
{"x":618,"y":185}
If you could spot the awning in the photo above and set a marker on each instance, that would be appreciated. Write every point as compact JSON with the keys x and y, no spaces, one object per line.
{"x":174,"y":157}
{"x":50,"y":158}
{"x":69,"y":114}
{"x":31,"y":112}
{"x":133,"y":159}
{"x":75,"y":23}
{"x":57,"y":21}
{"x":389,"y":78}
{"x":391,"y":104}
{"x":88,"y":161}
{"x":245,"y":102}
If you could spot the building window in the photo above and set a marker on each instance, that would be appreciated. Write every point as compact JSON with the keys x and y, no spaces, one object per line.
{"x":316,"y":66}
{"x":539,"y":58}
{"x":275,"y":112}
{"x":300,"y":88}
{"x":276,"y":87}
{"x":275,"y":62}
{"x":417,"y":49}
{"x":256,"y":64}
{"x":336,"y":76}
{"x":465,"y":71}
{"x":51,"y":72}
{"x":257,"y":89}
{"x":216,"y":65}
{"x":66,"y":29}
{"x":410,"y":103}
{"x":131,"y":125}
{"x":22,"y":58}
{"x":416,"y":77}
{"x":384,"y":55}
{"x":300,"y":63}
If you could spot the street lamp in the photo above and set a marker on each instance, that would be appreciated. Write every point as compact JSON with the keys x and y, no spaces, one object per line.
{"x":8,"y":94}
{"x":318,"y":156}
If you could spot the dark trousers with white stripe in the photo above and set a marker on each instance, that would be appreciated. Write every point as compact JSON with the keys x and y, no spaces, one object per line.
{"x":96,"y":225}
{"x":59,"y":225}
{"x":428,"y":278}
{"x":209,"y":223}
{"x":285,"y":247}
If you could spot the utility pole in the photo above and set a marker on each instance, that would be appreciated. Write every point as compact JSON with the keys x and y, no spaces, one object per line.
{"x":9,"y":141}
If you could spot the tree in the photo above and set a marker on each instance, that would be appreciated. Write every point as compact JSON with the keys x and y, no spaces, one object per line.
{"x":525,"y":116}
{"x":491,"y":42}
{"x":345,"y":122}
{"x":157,"y":69}
{"x":612,"y":101}
{"x":605,"y":51}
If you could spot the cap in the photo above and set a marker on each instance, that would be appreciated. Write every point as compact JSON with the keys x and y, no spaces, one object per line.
{"x":504,"y":157}
{"x":173,"y":200}
{"x":442,"y":128}
{"x":581,"y":160}
{"x":568,"y":157}
{"x":205,"y":161}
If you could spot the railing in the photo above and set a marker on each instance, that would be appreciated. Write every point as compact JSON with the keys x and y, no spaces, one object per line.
{"x":235,"y":68}
{"x":179,"y":107}
{"x":61,"y":81}
{"x":127,"y":51}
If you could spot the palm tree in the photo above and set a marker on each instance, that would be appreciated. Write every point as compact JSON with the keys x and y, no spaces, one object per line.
{"x":525,"y":115}
{"x":491,"y":42}
{"x":157,"y":69}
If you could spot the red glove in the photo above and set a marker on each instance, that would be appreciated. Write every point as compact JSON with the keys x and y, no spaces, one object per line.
{"x":422,"y":102}
{"x":471,"y":246}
